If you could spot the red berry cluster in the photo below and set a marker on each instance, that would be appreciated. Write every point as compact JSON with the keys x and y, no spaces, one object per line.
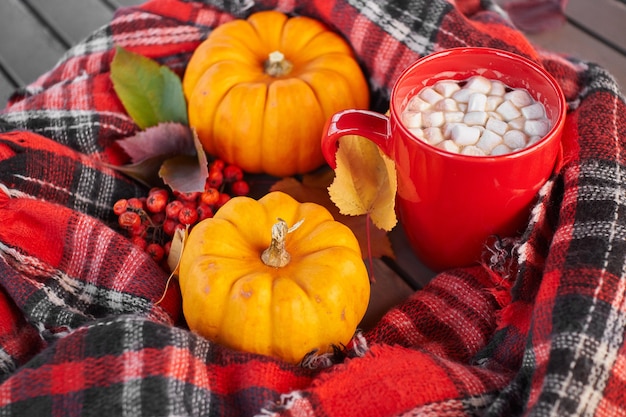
{"x":152,"y":221}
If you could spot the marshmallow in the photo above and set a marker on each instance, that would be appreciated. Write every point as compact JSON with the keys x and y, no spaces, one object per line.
{"x":447,"y":104}
{"x":430,"y":96}
{"x":517,"y":123}
{"x":447,"y":128}
{"x":412,"y":119}
{"x":478,"y":84}
{"x":520,"y":98}
{"x":448,"y":145}
{"x":493,"y":102}
{"x":508,"y":111}
{"x":477,"y":102}
{"x":497,"y":88}
{"x":534,"y":111}
{"x":488,"y":140}
{"x":496,"y":125}
{"x":514,"y":139}
{"x":453,"y":116}
{"x":537,"y":127}
{"x":434,"y":118}
{"x":446,"y":88}
{"x":462,"y":96}
{"x":433,"y":135}
{"x":501,"y":149}
{"x":472,"y":150}
{"x":475,"y":118}
{"x":417,"y":104}
{"x":464,"y":135}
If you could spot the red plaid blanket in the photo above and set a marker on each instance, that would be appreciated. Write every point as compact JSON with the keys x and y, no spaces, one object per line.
{"x":541,"y":333}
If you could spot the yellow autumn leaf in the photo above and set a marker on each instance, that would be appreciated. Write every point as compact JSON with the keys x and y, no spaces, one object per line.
{"x":173,"y":259}
{"x":176,"y":249}
{"x":365,"y":182}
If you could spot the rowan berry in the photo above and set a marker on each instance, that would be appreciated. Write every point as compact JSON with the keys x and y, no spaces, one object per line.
{"x":240,"y":187}
{"x":156,"y":251}
{"x":158,"y":218}
{"x":232,"y":173}
{"x":139,"y":230}
{"x":120,"y":206}
{"x":191,"y":197}
{"x":157,"y":200}
{"x":169,"y":226}
{"x":172,"y":209}
{"x":135,"y":203}
{"x":139,"y":241}
{"x":188,"y":215}
{"x":217,"y":165}
{"x":215,"y":179}
{"x":179,"y":226}
{"x":222,"y":200}
{"x":129,"y":220}
{"x":204,"y":211}
{"x":210,"y":197}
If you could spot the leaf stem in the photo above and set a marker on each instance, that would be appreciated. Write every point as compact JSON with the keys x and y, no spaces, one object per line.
{"x":368,"y":233}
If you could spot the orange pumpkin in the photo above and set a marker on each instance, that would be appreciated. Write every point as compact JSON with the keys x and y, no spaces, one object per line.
{"x":260,"y":90}
{"x":251,"y":283}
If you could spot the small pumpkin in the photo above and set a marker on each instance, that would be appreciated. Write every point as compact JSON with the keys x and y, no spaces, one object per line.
{"x":251,"y":283}
{"x":259,"y":91}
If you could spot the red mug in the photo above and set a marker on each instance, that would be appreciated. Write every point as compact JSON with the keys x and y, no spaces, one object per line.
{"x":451,"y":204}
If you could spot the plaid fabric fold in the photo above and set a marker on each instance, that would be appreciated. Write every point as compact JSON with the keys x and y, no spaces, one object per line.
{"x":537,"y":330}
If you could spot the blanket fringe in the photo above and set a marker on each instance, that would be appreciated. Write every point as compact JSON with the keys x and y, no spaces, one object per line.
{"x":284,"y":402}
{"x":12,"y":193}
{"x":501,"y":256}
{"x":357,"y":347}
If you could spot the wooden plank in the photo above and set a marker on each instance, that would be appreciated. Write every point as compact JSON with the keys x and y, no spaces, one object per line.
{"x":406,"y":264}
{"x":387,"y":291}
{"x":61,"y":15}
{"x":572,"y":41}
{"x":41,"y":30}
{"x":27,"y":46}
{"x":604,"y":18}
{"x":6,"y":89}
{"x":8,"y":82}
{"x":121,"y":3}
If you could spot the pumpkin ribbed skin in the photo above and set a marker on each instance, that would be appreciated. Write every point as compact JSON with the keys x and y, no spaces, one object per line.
{"x":270,"y":123}
{"x":232,"y":297}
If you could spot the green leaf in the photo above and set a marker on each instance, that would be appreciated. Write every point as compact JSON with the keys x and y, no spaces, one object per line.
{"x":151,"y":93}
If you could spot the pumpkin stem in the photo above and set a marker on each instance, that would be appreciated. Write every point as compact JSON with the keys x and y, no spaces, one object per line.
{"x":276,"y":65}
{"x":276,"y":255}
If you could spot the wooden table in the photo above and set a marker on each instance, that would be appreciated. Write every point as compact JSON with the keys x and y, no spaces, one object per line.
{"x":35,"y":33}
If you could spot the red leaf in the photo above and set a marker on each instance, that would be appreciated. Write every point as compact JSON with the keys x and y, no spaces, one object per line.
{"x":164,"y":139}
{"x":186,"y":173}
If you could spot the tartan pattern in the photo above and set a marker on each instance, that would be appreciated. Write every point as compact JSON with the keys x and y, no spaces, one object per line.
{"x":537,"y":330}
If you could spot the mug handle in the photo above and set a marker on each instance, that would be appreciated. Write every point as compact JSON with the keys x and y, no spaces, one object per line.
{"x":368,"y":124}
